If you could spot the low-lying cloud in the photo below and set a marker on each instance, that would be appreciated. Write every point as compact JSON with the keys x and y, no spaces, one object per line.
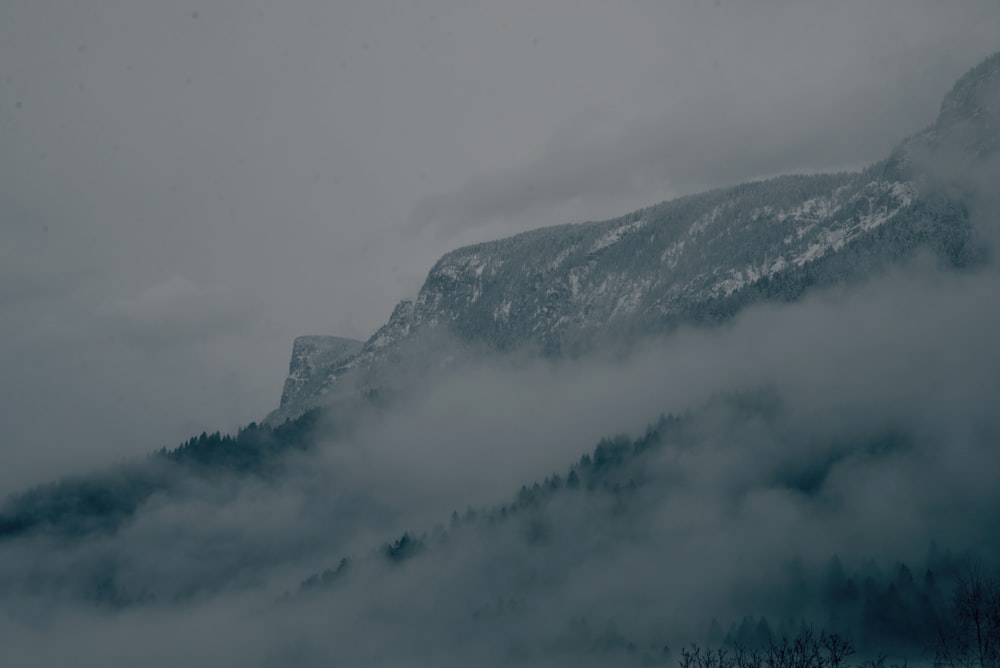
{"x":879,"y":439}
{"x":859,"y":422}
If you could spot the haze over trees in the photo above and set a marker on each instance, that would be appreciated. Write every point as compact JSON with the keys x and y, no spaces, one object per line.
{"x":485,"y":480}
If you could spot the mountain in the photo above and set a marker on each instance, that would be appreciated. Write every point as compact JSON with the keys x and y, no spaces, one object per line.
{"x":698,"y":259}
{"x":970,"y":113}
{"x":311,"y":356}
{"x":827,"y":465}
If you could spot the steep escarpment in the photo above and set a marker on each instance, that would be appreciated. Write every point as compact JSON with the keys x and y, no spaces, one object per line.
{"x":311,"y":355}
{"x":697,"y":260}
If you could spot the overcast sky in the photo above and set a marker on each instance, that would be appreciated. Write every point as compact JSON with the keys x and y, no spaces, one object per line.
{"x":187,"y":186}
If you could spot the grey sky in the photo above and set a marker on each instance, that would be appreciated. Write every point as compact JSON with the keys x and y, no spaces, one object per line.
{"x":186,"y":186}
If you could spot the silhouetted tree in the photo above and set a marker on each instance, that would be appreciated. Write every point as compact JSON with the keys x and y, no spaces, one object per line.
{"x":971,"y":638}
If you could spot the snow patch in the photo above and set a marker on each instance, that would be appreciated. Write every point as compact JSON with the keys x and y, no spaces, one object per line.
{"x":562,"y":256}
{"x":702,"y":223}
{"x":502,"y":312}
{"x":833,"y":239}
{"x":672,"y":254}
{"x":617,"y":234}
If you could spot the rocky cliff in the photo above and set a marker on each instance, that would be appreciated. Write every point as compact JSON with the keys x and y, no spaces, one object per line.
{"x":698,"y":259}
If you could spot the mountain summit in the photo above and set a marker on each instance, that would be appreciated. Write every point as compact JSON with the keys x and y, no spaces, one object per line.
{"x":698,"y":259}
{"x":311,"y":356}
{"x":970,"y":112}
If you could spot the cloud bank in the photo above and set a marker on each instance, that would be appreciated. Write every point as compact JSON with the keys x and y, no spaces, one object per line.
{"x":868,"y":432}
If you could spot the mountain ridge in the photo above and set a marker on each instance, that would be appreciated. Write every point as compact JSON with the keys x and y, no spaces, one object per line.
{"x":697,"y":259}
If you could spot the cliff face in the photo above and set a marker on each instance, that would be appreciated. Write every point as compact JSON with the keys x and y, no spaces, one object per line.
{"x":309,"y":370}
{"x":698,"y":259}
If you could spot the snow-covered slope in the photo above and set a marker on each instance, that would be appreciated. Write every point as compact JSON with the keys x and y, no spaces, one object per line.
{"x":697,"y":259}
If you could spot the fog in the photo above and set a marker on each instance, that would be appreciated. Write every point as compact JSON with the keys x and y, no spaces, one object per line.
{"x":185,"y":188}
{"x":880,"y":397}
{"x":859,"y":422}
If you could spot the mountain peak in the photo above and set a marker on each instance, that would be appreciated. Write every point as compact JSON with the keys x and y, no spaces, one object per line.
{"x":970,"y":112}
{"x":696,"y":260}
{"x":310,"y":356}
